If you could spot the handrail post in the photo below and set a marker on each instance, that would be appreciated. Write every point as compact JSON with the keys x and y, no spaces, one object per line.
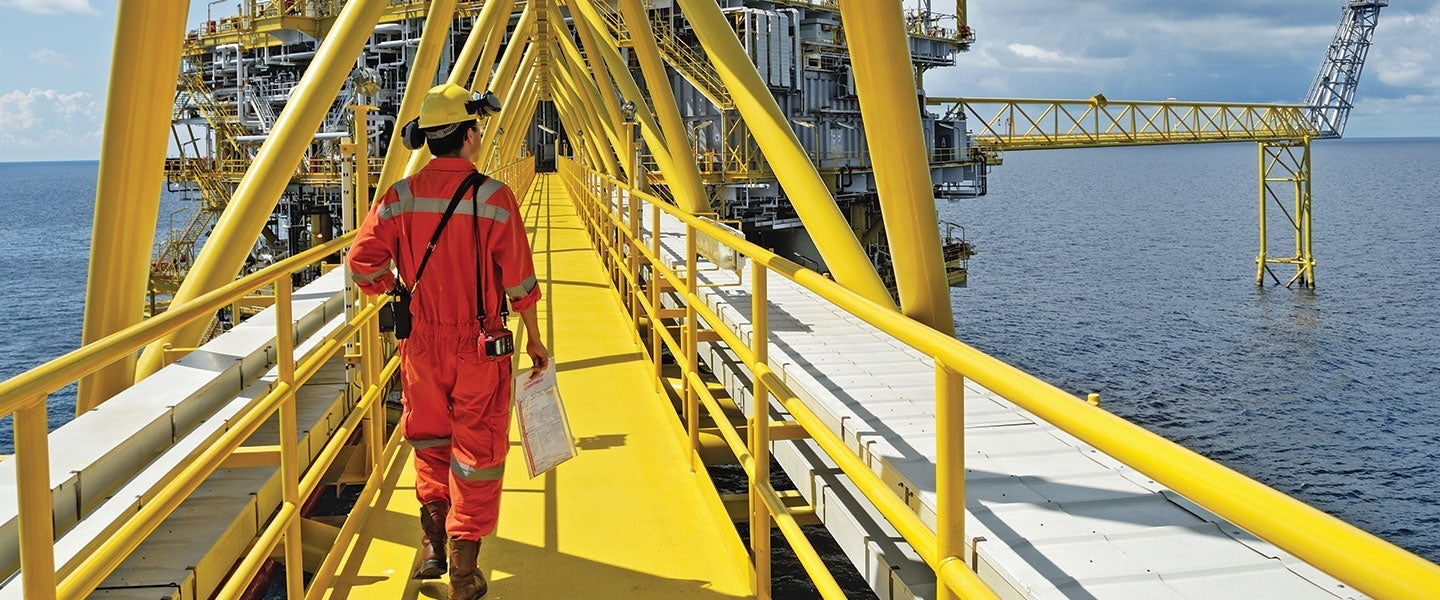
{"x":949,"y":469}
{"x":655,"y":276}
{"x":692,"y":397}
{"x":632,"y":205}
{"x":289,"y":432}
{"x":37,"y":512}
{"x":759,"y":431}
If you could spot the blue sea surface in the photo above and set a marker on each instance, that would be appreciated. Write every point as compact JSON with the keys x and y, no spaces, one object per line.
{"x":1128,"y":272}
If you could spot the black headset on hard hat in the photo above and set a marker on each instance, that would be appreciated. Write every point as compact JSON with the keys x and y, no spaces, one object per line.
{"x":480,"y":106}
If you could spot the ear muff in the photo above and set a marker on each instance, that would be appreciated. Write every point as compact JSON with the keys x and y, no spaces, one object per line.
{"x":411,"y":135}
{"x":483,"y":105}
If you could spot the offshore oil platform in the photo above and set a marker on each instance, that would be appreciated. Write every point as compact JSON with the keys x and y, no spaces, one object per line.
{"x":731,"y":277}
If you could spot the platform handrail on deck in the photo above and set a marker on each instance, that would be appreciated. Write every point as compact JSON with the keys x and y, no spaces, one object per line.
{"x":25,"y":395}
{"x":1355,"y":557}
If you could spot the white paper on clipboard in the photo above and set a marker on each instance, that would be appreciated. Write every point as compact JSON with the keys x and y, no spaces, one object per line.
{"x":544,"y":429}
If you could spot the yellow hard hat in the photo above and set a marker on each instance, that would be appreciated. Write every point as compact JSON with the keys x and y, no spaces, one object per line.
{"x":449,"y":103}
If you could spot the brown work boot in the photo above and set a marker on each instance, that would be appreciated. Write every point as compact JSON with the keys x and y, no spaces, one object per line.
{"x":466,"y":583}
{"x":432,"y":543}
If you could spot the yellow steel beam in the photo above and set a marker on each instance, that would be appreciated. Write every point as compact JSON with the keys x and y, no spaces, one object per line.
{"x":493,"y":19}
{"x":884,"y":81}
{"x":1040,"y":123}
{"x":260,"y":189}
{"x":584,"y":87}
{"x":619,"y":74}
{"x":606,"y":90}
{"x":127,"y":193}
{"x":417,"y":82}
{"x":459,"y":72}
{"x":575,"y":124}
{"x":481,"y":80}
{"x":684,"y":180}
{"x":518,"y":52}
{"x":808,"y":193}
{"x":515,"y":117}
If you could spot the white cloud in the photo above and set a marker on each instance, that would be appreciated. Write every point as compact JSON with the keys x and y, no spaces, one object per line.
{"x":1038,"y":54}
{"x":52,"y":7}
{"x":40,"y":122}
{"x":46,"y":56}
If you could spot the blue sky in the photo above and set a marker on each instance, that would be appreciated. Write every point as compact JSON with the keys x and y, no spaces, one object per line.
{"x":55,"y":59}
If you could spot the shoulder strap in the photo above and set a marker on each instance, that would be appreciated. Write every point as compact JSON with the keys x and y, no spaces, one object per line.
{"x":471,"y":181}
{"x":480,"y":257}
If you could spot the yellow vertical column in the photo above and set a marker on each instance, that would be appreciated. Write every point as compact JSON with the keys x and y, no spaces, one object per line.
{"x":127,"y":192}
{"x":880,"y":56}
{"x":685,"y":181}
{"x":949,"y":469}
{"x":807,"y":192}
{"x":260,"y":189}
{"x":1264,"y":191}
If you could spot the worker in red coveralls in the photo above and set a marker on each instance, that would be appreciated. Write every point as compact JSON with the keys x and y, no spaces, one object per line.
{"x":457,"y":394}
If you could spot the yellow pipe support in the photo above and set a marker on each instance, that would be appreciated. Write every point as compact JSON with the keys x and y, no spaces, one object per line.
{"x":760,"y":428}
{"x":619,"y":73}
{"x":127,"y":192}
{"x":481,"y":81}
{"x":475,"y":44}
{"x":517,"y":121}
{"x":685,"y":179}
{"x":807,"y":192}
{"x":422,"y":73}
{"x":289,"y":431}
{"x":884,"y":80}
{"x":585,"y":98}
{"x":521,"y":54}
{"x":260,"y":188}
{"x":575,"y":69}
{"x":606,"y":89}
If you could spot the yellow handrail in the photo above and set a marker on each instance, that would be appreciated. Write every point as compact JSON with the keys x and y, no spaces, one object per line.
{"x":24,"y":395}
{"x":1358,"y":558}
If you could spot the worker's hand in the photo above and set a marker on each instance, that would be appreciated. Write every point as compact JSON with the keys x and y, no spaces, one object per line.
{"x":539,"y":356}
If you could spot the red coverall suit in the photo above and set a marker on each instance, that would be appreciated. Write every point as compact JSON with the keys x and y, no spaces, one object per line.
{"x":457,"y":402}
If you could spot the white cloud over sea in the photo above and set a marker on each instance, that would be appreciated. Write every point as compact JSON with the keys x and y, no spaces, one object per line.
{"x":49,"y":125}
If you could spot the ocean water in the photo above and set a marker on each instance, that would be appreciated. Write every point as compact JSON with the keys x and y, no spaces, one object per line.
{"x":1128,"y":272}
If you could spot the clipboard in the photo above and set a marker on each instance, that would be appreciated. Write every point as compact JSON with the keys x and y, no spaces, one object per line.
{"x":544,"y":429}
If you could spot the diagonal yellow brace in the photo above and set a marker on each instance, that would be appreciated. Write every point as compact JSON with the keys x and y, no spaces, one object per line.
{"x":127,"y":194}
{"x":260,"y":189}
{"x":685,"y":179}
{"x":880,"y":56}
{"x":807,"y":192}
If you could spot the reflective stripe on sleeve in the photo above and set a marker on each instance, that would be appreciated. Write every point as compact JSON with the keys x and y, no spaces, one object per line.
{"x":400,"y":206}
{"x":522,"y":289}
{"x":431,"y":443}
{"x":469,"y":473}
{"x":359,"y":277}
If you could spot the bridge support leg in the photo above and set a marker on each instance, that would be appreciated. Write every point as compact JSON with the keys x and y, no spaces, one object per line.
{"x":1285,"y":183}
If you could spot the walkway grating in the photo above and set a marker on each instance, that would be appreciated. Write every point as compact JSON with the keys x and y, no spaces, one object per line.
{"x":625,"y":518}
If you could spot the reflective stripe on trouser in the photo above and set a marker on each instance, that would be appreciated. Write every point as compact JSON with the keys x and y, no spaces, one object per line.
{"x":453,"y":394}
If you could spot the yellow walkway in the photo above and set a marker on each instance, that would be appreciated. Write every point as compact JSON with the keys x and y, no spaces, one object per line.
{"x":624,"y":519}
